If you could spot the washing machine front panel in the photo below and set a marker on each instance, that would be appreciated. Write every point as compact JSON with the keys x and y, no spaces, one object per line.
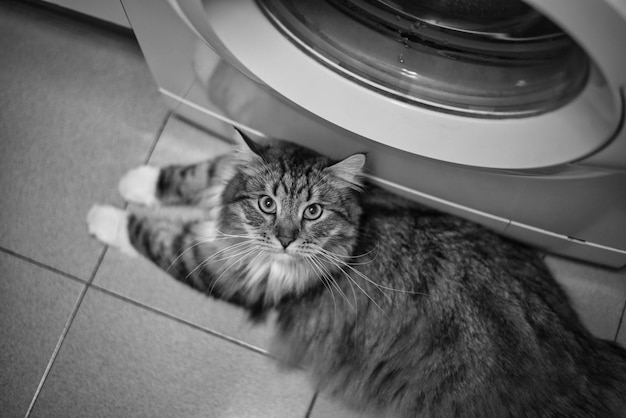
{"x":567,"y":209}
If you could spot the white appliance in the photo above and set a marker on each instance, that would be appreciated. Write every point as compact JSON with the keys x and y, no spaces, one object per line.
{"x":507,"y":113}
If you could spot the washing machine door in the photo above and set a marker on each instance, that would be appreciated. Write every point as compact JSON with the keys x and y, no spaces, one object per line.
{"x":520,"y":86}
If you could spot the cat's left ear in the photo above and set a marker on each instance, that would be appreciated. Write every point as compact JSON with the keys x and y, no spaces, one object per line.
{"x":253,"y":146}
{"x":350,"y":170}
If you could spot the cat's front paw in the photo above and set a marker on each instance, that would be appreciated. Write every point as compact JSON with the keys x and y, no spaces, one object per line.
{"x":140,"y":185}
{"x":110,"y":226}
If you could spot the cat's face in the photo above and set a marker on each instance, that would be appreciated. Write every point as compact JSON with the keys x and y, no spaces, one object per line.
{"x":296,"y":214}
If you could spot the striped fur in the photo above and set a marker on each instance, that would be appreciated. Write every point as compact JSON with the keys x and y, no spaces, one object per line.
{"x":394,"y":308}
{"x":233,"y":250}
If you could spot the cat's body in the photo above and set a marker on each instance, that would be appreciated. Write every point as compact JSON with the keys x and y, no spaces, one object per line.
{"x":394,"y":308}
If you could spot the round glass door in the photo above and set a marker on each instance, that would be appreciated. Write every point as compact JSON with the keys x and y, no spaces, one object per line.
{"x":482,"y":58}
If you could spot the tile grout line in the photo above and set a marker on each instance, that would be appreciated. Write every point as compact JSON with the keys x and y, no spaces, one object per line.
{"x":157,"y":136}
{"x":309,"y":411}
{"x":42,"y":265}
{"x":620,"y":322}
{"x":185,"y":322}
{"x":64,"y":333}
{"x":87,"y":285}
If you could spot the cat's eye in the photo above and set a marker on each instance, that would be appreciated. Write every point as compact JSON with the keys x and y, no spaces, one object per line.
{"x":313,"y":212}
{"x":267,"y":205}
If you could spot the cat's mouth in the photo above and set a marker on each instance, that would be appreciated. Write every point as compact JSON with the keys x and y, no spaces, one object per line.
{"x":283,"y":255}
{"x":293,"y":253}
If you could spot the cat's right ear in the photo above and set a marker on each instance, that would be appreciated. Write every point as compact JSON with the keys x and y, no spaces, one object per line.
{"x":253,"y":146}
{"x":350,"y":170}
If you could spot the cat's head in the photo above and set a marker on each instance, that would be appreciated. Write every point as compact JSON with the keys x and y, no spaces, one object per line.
{"x":297,"y":215}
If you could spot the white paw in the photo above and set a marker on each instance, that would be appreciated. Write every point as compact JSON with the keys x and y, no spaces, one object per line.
{"x":140,"y":185}
{"x":109,"y":225}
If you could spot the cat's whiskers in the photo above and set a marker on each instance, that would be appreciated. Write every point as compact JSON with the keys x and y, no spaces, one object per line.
{"x":350,"y":282}
{"x":380,"y":287}
{"x":242,"y":255}
{"x":326,"y":281}
{"x":358,"y":273}
{"x":182,"y":252}
{"x":328,"y":256}
{"x":236,"y":246}
{"x":309,"y":252}
{"x":351,"y":279}
{"x":328,"y":278}
{"x":211,"y":258}
{"x":247,"y":239}
{"x":333,"y":281}
{"x":355,"y":307}
{"x":205,"y":240}
{"x":341,"y":256}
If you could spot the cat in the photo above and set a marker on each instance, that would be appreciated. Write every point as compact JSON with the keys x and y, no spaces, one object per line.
{"x":396,"y":309}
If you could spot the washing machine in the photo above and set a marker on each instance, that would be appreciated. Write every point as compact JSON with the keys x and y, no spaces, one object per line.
{"x":509,"y":113}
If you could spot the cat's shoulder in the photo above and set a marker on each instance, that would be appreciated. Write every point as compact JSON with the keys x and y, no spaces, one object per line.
{"x":385,"y":210}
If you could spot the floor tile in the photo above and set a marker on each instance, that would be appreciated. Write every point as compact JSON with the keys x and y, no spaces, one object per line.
{"x":78,"y":108}
{"x":139,"y":280}
{"x":597,"y":294}
{"x":35,"y":305}
{"x":120,"y":360}
{"x":184,"y":143}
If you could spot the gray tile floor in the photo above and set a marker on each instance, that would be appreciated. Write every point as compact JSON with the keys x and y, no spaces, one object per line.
{"x":87,"y":332}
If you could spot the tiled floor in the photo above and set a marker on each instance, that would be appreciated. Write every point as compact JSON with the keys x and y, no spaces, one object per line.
{"x":87,"y":332}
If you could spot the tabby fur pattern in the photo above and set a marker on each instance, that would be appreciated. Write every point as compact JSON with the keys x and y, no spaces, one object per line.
{"x":396,"y":309}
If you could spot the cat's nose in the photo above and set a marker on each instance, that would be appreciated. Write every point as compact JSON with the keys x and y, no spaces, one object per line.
{"x":285,"y":241}
{"x":285,"y":234}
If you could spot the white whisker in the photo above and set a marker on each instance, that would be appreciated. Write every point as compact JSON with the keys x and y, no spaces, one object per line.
{"x":211,"y":259}
{"x":357,"y":256}
{"x":347,"y":275}
{"x":225,"y":249}
{"x":202,"y":240}
{"x":364,"y":277}
{"x":324,"y":270}
{"x":183,"y":252}
{"x":251,"y":250}
{"x":326,"y":281}
{"x":350,"y":282}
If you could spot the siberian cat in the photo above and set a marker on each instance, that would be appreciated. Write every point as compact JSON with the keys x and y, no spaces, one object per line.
{"x":396,"y":309}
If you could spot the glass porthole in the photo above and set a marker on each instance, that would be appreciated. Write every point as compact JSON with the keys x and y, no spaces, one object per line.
{"x":481,"y":58}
